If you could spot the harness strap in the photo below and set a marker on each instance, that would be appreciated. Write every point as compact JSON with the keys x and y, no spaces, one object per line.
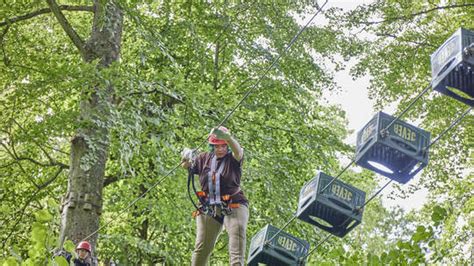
{"x":213,"y":181}
{"x":226,"y":206}
{"x":225,"y":199}
{"x":234,"y":205}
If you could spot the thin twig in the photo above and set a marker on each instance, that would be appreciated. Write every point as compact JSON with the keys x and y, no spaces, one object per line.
{"x":33,"y":14}
{"x":415,"y":14}
{"x":27,"y":203}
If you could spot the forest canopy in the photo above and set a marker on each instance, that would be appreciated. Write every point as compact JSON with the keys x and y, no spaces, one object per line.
{"x":99,"y":98}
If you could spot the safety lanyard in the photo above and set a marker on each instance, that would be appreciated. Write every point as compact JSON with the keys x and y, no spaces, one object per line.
{"x":213,"y":181}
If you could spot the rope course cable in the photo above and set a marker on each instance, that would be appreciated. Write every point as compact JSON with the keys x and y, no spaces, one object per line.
{"x":450,"y":127}
{"x":273,"y":64}
{"x":360,"y":208}
{"x":322,"y":190}
{"x":353,"y":160}
{"x":249,"y":91}
{"x":453,"y":124}
{"x":131,"y":203}
{"x":408,"y":107}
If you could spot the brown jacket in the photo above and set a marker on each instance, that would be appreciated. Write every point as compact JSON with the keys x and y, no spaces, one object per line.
{"x":230,"y":177}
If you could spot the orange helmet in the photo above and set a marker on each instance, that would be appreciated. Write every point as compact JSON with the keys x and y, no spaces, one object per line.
{"x":84,"y":245}
{"x":213,"y":140}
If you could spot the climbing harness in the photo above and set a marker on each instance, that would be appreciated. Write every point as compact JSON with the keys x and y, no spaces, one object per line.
{"x":212,"y":203}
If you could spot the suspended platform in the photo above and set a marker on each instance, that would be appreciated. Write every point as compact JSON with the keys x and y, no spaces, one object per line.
{"x":452,"y":66}
{"x":284,"y":249}
{"x":398,"y":152}
{"x":338,"y":205}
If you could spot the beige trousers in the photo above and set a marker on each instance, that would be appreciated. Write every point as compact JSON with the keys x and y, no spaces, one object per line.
{"x":209,"y":229}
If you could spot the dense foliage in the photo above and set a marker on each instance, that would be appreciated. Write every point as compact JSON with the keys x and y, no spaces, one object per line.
{"x":183,"y":67}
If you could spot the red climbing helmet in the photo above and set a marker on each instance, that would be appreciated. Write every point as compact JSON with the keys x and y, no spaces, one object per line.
{"x":214,"y":140}
{"x":84,"y":245}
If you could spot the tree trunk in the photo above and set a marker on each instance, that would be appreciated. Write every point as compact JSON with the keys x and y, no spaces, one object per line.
{"x":82,"y":205}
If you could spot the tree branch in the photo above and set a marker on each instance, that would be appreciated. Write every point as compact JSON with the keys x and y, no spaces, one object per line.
{"x":109,"y":180}
{"x":75,"y":38}
{"x":32,"y":69}
{"x":7,"y":165}
{"x":27,"y":203}
{"x":18,"y":159}
{"x":156,"y":90}
{"x":6,"y":60}
{"x":216,"y":66}
{"x":417,"y":14}
{"x":12,"y":153}
{"x":37,"y":144}
{"x":45,"y":11}
{"x":397,"y":37}
{"x":52,"y":161}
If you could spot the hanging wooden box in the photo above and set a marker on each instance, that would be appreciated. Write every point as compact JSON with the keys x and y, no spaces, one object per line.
{"x":452,"y":68}
{"x":284,"y":249}
{"x":398,"y":153}
{"x":338,"y":205}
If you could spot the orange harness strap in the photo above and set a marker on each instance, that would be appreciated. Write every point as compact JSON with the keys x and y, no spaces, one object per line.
{"x":225,"y":198}
{"x":195,"y":213}
{"x":234,"y":205}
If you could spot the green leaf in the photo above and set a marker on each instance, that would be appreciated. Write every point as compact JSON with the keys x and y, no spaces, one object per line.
{"x":52,"y":203}
{"x":422,"y":234}
{"x":373,"y":259}
{"x":438,"y":214}
{"x":38,"y":233}
{"x":403,"y":245}
{"x":43,"y":216}
{"x":61,"y":261}
{"x":69,"y":246}
{"x":11,"y":261}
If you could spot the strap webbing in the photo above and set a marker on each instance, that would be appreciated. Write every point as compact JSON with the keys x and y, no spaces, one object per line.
{"x":213,"y":181}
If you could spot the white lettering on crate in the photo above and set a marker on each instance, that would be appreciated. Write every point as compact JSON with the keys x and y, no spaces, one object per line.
{"x":287,"y":243}
{"x":404,"y":132}
{"x":341,"y":192}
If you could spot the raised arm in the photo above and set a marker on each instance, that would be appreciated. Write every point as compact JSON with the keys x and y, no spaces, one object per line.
{"x":234,"y":145}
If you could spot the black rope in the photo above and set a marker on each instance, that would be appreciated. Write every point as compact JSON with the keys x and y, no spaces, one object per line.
{"x":272,"y":65}
{"x":408,"y":107}
{"x":449,"y":128}
{"x":191,"y":185}
{"x":348,"y":218}
{"x":131,"y":203}
{"x":223,"y":121}
{"x":376,"y":194}
{"x":317,"y":245}
{"x":453,"y":124}
{"x":280,"y":230}
{"x":318,"y":193}
{"x":337,"y":177}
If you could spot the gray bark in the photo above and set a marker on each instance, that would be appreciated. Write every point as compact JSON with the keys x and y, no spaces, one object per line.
{"x":82,"y":205}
